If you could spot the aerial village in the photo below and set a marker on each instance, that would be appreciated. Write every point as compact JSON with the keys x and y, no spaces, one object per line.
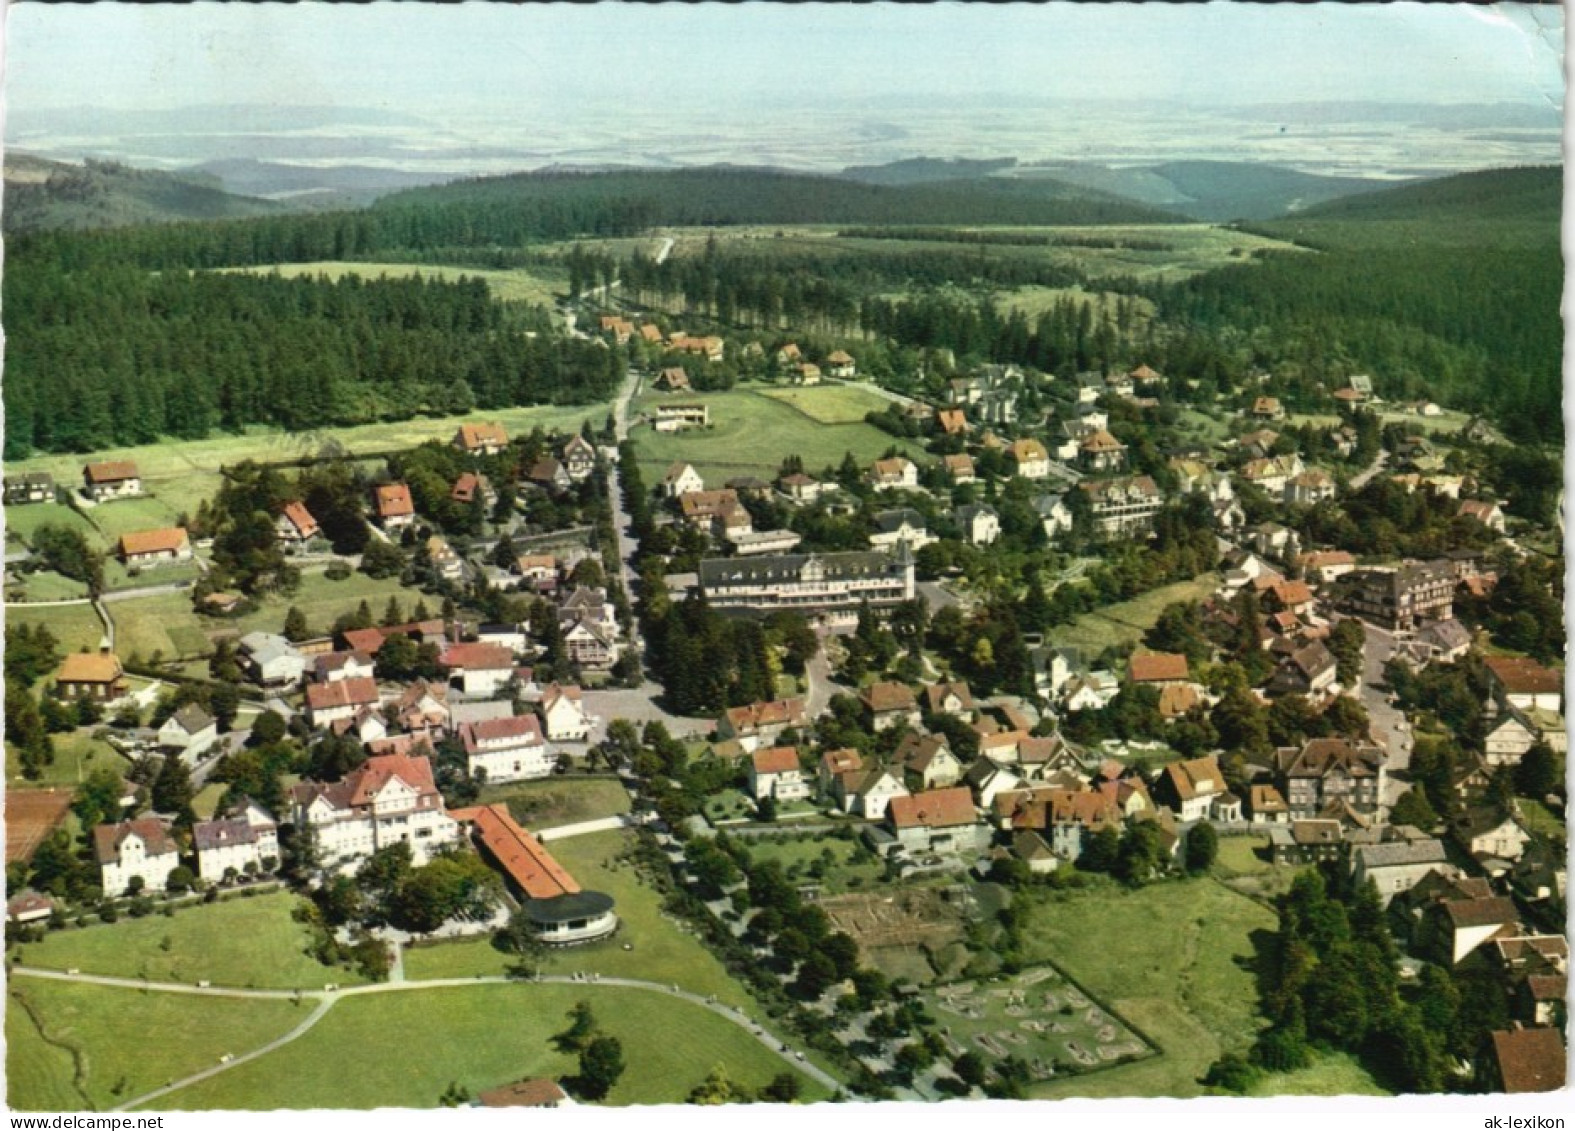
{"x":855,"y":712}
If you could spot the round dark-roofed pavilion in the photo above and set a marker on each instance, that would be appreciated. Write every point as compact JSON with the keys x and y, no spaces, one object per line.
{"x":578,"y":917}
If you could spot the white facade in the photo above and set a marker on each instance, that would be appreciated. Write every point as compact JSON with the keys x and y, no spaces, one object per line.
{"x":508,"y":750}
{"x":564,"y":718}
{"x":134,"y":858}
{"x":370,"y":810}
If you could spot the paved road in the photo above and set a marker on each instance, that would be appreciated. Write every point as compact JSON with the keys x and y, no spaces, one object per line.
{"x":328,"y":998}
{"x":1388,"y":722}
{"x":1359,"y":480}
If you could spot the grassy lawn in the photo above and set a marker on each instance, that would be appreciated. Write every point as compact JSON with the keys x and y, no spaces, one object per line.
{"x":237,"y":942}
{"x":1173,"y":960}
{"x":559,"y":801}
{"x":541,"y":287}
{"x":840,"y":873}
{"x":76,"y":627}
{"x":830,"y":404}
{"x":1330,"y":1074}
{"x":750,"y":434}
{"x":45,"y":586}
{"x":127,"y":516}
{"x":1125,"y":623}
{"x":662,"y":950}
{"x":181,"y":473}
{"x":126,"y":1042}
{"x":482,"y":1037}
{"x":166,"y":622}
{"x":22,"y":521}
{"x":1540,"y":821}
{"x":75,"y":755}
{"x":1240,"y":855}
{"x":117,"y":576}
{"x":728,"y":805}
{"x":1034,"y":301}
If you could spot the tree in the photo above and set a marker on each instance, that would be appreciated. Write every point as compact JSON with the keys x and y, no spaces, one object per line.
{"x":581,"y":1031}
{"x":785,"y":1088}
{"x":601,"y":1064}
{"x":295,"y":627}
{"x":1537,"y":774}
{"x":714,"y":1090}
{"x":1414,"y":809}
{"x":268,"y":728}
{"x":172,"y":791}
{"x":970,"y":1069}
{"x":381,"y":559}
{"x":1202,"y":847}
{"x":97,"y":799}
{"x":1346,"y":641}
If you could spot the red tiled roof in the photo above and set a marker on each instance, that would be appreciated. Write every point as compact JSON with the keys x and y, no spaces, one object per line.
{"x":842,"y":761}
{"x":527,"y":727}
{"x":168,"y":540}
{"x":365,"y":640}
{"x":776,"y":760}
{"x":477,"y":657}
{"x":934,"y":809}
{"x":1158,"y":667}
{"x":301,"y":519}
{"x":526,"y":1093}
{"x":111,"y":471}
{"x":888,"y":695}
{"x":1522,"y":676}
{"x":521,"y":855}
{"x":356,"y":692}
{"x":473,"y":436}
{"x":369,"y":777}
{"x":393,"y":501}
{"x":89,"y":667}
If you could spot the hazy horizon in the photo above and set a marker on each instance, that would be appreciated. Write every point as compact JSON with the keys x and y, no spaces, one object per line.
{"x":1380,"y":90}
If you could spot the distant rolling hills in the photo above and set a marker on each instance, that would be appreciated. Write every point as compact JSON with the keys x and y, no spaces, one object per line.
{"x":1531,"y":192}
{"x":41,"y":194}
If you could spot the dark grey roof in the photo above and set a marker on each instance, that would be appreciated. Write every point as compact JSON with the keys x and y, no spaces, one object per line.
{"x":889,"y":522}
{"x":563,"y":908}
{"x":192,"y":718}
{"x":211,"y":835}
{"x":969,"y":512}
{"x":1397,"y":853}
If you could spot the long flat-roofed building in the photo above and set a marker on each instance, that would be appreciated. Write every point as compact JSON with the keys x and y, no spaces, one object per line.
{"x":560,"y":909}
{"x":811,"y":583}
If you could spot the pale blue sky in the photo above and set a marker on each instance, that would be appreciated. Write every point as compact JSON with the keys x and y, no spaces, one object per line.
{"x":477,"y":57}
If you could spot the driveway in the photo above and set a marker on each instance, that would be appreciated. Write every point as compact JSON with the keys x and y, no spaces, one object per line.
{"x":1390,"y":725}
{"x":639,"y":706}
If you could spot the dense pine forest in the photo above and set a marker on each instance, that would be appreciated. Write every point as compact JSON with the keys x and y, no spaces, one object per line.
{"x":1447,"y":290}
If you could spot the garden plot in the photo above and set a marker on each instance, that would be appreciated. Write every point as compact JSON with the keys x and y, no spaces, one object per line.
{"x":1038,"y":1017}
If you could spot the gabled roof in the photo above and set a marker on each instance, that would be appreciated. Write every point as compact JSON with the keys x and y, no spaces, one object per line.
{"x":301,"y":518}
{"x":1530,"y":1060}
{"x":538,"y":1092}
{"x":959,"y":464}
{"x":1519,"y":675}
{"x":521,"y":855}
{"x":895,"y":467}
{"x":192,"y":719}
{"x":934,"y":809}
{"x":393,"y":501}
{"x":89,"y":667}
{"x":168,"y":540}
{"x":477,"y":657}
{"x":473,"y":436}
{"x":1196,"y":778}
{"x":936,"y":695}
{"x":1028,"y":450}
{"x":1319,"y":757}
{"x":841,"y":761}
{"x":107,"y":839}
{"x":888,"y":695}
{"x":1100,"y":440}
{"x":211,"y":835}
{"x":775,"y":760}
{"x":1465,"y":914}
{"x":1158,"y":667}
{"x":356,"y":692}
{"x":110,"y":471}
{"x":777,"y":712}
{"x":524,"y":728}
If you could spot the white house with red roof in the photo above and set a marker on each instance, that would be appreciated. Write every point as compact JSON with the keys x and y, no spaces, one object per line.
{"x":505,"y":750}
{"x":296,"y":525}
{"x":244,"y":839}
{"x":395,"y":510}
{"x":775,"y":772}
{"x":387,"y":799}
{"x":327,"y":703}
{"x":563,"y":713}
{"x":481,"y":670}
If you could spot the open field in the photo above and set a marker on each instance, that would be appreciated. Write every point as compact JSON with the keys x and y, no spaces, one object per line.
{"x":250,"y":943}
{"x":30,"y":816}
{"x":662,"y":950}
{"x":181,"y":473}
{"x":167,"y":623}
{"x":1037,"y":1016}
{"x":898,"y":929}
{"x":483,"y":1037}
{"x":1125,"y":623}
{"x":76,"y":627}
{"x":120,"y":1043}
{"x":127,"y":516}
{"x":1034,"y":301}
{"x":22,"y":521}
{"x":1190,"y":248}
{"x":1173,"y":959}
{"x":830,"y":404}
{"x":750,"y":434}
{"x":559,"y":801}
{"x":538,"y":287}
{"x":75,"y":754}
{"x":45,"y":587}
